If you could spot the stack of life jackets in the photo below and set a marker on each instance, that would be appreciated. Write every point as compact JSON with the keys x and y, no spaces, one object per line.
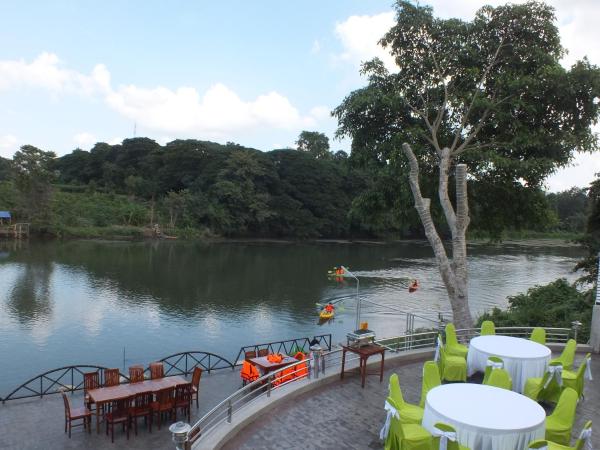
{"x":249,"y":373}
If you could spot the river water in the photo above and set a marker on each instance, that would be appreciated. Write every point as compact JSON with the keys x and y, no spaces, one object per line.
{"x":117,"y":304}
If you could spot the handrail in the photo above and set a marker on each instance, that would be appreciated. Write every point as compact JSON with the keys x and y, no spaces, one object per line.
{"x":75,"y":384}
{"x":285,"y":346}
{"x":197,"y":358}
{"x":554,"y":335}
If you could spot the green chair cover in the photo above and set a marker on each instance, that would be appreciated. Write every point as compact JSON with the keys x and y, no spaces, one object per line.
{"x":403,"y":436}
{"x":567,"y":357}
{"x":488,"y":328}
{"x":538,"y":335}
{"x":452,"y":368}
{"x":560,"y":423}
{"x":453,"y":348}
{"x":493,"y":362}
{"x":575,"y":380}
{"x":580,"y":443}
{"x":547,"y":387}
{"x":431,"y":379}
{"x":409,"y":413}
{"x":444,"y":438}
{"x":500,"y":378}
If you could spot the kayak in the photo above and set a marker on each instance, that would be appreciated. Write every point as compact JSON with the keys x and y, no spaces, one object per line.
{"x":326,"y":315}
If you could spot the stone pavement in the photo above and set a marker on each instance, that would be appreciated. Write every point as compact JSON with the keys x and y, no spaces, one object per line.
{"x":39,"y":423}
{"x":344,"y":416}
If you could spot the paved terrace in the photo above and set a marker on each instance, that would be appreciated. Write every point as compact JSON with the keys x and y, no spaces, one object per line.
{"x":333,"y":416}
{"x":341,"y":415}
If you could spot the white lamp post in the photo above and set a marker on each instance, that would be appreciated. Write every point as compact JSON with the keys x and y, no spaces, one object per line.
{"x":180,"y":430}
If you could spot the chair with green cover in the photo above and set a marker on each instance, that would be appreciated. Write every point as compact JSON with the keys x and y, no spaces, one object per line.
{"x":487,"y":328}
{"x":547,"y":387}
{"x":567,"y":357}
{"x":560,"y":423}
{"x":575,"y":380}
{"x":538,"y":335}
{"x":431,"y":379}
{"x":410,"y":413}
{"x":500,"y":378}
{"x":453,"y":348}
{"x":584,"y":441}
{"x":444,"y":438}
{"x":452,"y":368}
{"x":493,"y":362}
{"x":402,"y":436}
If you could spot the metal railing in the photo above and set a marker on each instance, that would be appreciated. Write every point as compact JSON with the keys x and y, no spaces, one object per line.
{"x":68,"y":378}
{"x":288,"y":346}
{"x":320,"y":362}
{"x":184,"y":363}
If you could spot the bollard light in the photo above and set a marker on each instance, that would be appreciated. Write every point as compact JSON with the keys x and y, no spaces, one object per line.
{"x":180,"y":430}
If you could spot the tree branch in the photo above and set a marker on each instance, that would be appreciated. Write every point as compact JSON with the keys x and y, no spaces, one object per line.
{"x":444,"y":165}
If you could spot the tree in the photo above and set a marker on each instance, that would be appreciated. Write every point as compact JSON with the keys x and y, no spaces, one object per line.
{"x":486,"y":99}
{"x":33,"y":175}
{"x":591,"y":240}
{"x":570,"y":208}
{"x":315,"y":143}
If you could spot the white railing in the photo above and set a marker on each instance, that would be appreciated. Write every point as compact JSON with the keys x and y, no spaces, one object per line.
{"x":318,"y":363}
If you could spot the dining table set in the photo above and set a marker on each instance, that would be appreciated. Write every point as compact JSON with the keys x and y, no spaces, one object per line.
{"x":503,"y":412}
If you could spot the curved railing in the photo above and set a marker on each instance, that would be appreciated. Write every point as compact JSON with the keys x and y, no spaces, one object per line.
{"x":68,"y":378}
{"x":287,"y":347}
{"x":184,"y":363}
{"x":226,"y":409}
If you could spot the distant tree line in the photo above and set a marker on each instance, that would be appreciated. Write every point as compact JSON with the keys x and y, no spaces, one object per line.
{"x":233,"y":190}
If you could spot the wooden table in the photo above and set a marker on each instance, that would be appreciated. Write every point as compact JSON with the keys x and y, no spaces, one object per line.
{"x":103,"y":395}
{"x":267,"y":366}
{"x":364,"y":352}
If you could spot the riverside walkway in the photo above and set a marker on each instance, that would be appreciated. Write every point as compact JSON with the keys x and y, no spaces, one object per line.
{"x":333,"y":416}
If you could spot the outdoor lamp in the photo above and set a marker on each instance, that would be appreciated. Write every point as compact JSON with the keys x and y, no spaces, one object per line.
{"x":179,"y":430}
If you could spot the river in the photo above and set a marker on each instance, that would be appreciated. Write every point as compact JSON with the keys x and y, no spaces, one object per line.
{"x":115,"y":303}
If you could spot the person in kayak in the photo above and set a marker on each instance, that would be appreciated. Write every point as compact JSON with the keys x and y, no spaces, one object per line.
{"x":414,"y":285}
{"x":329,"y":307}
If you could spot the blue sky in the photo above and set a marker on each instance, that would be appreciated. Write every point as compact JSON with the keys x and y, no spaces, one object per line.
{"x":76,"y":72}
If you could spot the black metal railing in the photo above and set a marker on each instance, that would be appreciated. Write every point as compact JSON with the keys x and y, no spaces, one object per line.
{"x":68,"y":378}
{"x":184,"y":363}
{"x":288,"y":346}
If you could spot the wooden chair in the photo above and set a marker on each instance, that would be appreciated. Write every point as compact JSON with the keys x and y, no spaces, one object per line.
{"x":136,"y":374}
{"x":249,"y":355}
{"x":71,"y":414}
{"x":165,"y":400}
{"x":91,"y":380}
{"x":183,"y":399}
{"x":142,"y":407}
{"x":118,"y":412}
{"x":157,"y":370}
{"x":263,"y":352}
{"x":196,"y":384}
{"x":112,"y":377}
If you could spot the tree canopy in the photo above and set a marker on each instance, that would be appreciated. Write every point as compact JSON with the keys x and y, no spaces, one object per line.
{"x":492,"y":90}
{"x":315,"y":143}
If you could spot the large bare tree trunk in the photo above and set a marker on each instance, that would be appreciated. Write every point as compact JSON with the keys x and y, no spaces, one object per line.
{"x":454,"y":273}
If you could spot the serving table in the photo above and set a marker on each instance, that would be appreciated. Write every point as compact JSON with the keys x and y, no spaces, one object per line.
{"x":364,"y":352}
{"x":103,"y":395}
{"x":522,"y":358}
{"x":267,"y":366}
{"x":485,"y":417}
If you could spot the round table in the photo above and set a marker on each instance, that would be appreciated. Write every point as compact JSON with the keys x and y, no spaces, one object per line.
{"x":485,"y":417}
{"x":522,"y":358}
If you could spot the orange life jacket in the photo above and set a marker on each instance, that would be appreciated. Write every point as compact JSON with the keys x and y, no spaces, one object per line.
{"x":301,"y":370}
{"x":249,"y":372}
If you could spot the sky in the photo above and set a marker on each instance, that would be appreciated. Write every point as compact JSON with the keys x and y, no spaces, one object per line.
{"x":73,"y":73}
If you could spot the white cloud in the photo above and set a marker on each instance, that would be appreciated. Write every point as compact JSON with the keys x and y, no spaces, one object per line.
{"x":84,"y":140}
{"x":360,"y":35}
{"x":115,"y":141}
{"x":46,"y":72}
{"x":321,"y":112}
{"x":8,"y":145}
{"x":316,"y":47}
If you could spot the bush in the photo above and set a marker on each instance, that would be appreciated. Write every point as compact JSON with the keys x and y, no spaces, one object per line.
{"x":556,"y":304}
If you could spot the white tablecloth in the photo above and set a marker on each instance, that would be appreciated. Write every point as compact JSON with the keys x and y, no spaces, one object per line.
{"x":485,"y":417}
{"x":522,"y":358}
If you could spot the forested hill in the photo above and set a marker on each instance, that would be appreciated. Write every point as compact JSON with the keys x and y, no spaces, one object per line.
{"x":230,"y":190}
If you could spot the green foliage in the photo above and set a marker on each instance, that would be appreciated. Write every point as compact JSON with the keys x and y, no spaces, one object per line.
{"x":315,"y":143}
{"x":556,"y":304}
{"x":570,"y":208}
{"x":591,"y":240}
